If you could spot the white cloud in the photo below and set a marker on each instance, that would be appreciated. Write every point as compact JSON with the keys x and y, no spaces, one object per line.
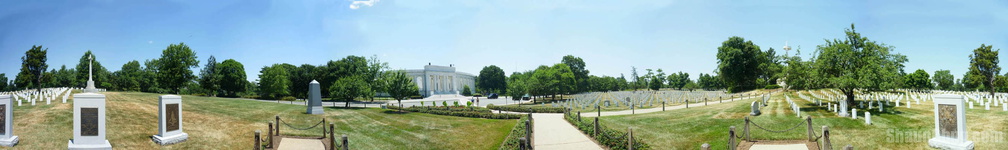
{"x":357,"y":4}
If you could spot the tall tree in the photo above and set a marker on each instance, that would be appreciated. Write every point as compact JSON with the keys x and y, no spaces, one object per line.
{"x":150,"y":75}
{"x":345,"y":67}
{"x":300,"y":77}
{"x":984,"y":67}
{"x":738,"y":63}
{"x":399,"y":85}
{"x":129,"y":78}
{"x":33,"y":65}
{"x":209,"y":78}
{"x":634,"y":78}
{"x":577,"y":66}
{"x":944,"y":79}
{"x":372,"y":74}
{"x":492,"y":79}
{"x":273,"y":82}
{"x":348,"y":88}
{"x":65,"y":77}
{"x":4,"y":80}
{"x":232,"y":78}
{"x":100,"y":75}
{"x":564,"y":77}
{"x":176,"y":61}
{"x":856,"y":62}
{"x":919,"y":80}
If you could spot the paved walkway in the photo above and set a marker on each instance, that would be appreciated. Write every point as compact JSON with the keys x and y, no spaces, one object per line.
{"x":779,"y":147}
{"x":300,"y":144}
{"x":551,"y":131}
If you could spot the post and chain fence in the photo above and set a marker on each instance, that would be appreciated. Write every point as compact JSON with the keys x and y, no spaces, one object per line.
{"x":328,"y":136}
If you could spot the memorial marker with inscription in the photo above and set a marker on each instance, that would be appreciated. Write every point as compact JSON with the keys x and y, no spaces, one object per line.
{"x":170,"y":121}
{"x":950,"y":123}
{"x":7,"y":137}
{"x":89,"y":122}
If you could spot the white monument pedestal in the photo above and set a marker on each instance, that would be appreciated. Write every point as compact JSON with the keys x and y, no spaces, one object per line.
{"x":170,"y":121}
{"x":89,"y":123}
{"x":950,"y":124}
{"x":314,"y":99}
{"x":7,"y":137}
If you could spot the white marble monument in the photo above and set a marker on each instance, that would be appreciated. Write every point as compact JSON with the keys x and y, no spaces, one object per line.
{"x":7,"y":137}
{"x":89,"y":123}
{"x":170,"y":120}
{"x":314,"y":99}
{"x":90,"y":83}
{"x":755,"y":109}
{"x":950,"y":123}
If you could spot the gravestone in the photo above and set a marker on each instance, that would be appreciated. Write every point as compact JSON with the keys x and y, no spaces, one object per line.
{"x":950,"y":123}
{"x":1004,"y":107}
{"x":843,"y":108}
{"x":7,"y":137}
{"x":853,"y":113}
{"x":170,"y":121}
{"x":314,"y":98}
{"x":89,"y":122}
{"x":867,"y":117}
{"x":755,"y":109}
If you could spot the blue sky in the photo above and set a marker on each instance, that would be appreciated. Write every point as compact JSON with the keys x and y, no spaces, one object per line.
{"x":517,"y":35}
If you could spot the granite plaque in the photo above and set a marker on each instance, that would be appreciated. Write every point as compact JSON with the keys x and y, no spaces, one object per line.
{"x":947,"y":120}
{"x":172,"y":119}
{"x":3,"y":119}
{"x":89,"y":121}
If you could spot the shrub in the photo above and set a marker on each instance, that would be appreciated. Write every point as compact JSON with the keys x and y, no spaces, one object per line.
{"x":460,"y":112}
{"x":444,"y":103}
{"x":772,"y":86}
{"x":512,"y":141}
{"x":288,"y":98}
{"x":456,"y":103}
{"x":531,"y":109}
{"x":614,"y":139}
{"x":421,"y":103}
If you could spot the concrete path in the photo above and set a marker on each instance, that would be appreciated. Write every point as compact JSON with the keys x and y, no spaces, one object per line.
{"x":300,"y":144}
{"x":551,"y":131}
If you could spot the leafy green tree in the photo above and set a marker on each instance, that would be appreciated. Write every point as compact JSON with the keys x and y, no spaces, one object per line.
{"x":738,"y":64}
{"x":129,"y":78}
{"x":655,"y":84}
{"x":984,"y":67}
{"x":466,"y":91}
{"x":3,"y":82}
{"x":400,"y":86}
{"x":150,"y":75}
{"x":858,"y":63}
{"x":345,"y":67}
{"x":33,"y":66}
{"x":100,"y":74}
{"x":65,"y":77}
{"x":800,"y":75}
{"x":635,"y":79}
{"x":273,"y":82}
{"x":348,"y":88}
{"x":372,"y":74}
{"x":176,"y":61}
{"x":491,"y":79}
{"x":564,"y":77}
{"x":300,"y":77}
{"x":577,"y":67}
{"x":517,"y":86}
{"x":919,"y":80}
{"x":232,"y":78}
{"x":209,"y":78}
{"x":944,"y":79}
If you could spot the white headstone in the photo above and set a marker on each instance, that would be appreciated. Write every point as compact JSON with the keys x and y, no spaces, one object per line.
{"x":950,"y":124}
{"x":314,"y":98}
{"x":755,"y":109}
{"x":986,"y":106}
{"x":867,"y":116}
{"x":170,"y":121}
{"x":89,"y":122}
{"x":7,"y":137}
{"x":853,"y":113}
{"x":1004,"y":107}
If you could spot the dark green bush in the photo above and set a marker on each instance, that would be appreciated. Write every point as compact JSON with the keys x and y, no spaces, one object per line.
{"x":471,"y":112}
{"x":288,"y":98}
{"x":772,"y":86}
{"x":531,"y":109}
{"x":512,"y":141}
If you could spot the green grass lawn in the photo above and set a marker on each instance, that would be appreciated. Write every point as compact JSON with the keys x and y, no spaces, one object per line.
{"x":901,"y":129}
{"x":225,"y":123}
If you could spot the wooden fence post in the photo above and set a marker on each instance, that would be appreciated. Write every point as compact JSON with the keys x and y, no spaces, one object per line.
{"x":630,"y":138}
{"x":270,"y":134}
{"x":579,"y":116}
{"x":346,"y":144}
{"x":528,"y":131}
{"x":826,"y":141}
{"x":258,"y":145}
{"x":746,"y":129}
{"x":811,"y":134}
{"x":521,"y":143}
{"x":596,"y":133}
{"x":278,"y":125}
{"x":731,"y":138}
{"x":332,"y":137}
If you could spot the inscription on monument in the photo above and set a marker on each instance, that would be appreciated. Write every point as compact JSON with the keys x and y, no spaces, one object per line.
{"x":947,"y":121}
{"x":3,"y":119}
{"x":89,"y":121}
{"x":172,"y":116}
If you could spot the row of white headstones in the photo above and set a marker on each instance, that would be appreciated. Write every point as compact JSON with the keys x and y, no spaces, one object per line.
{"x":46,"y":94}
{"x":830,"y":99}
{"x":638,"y":98}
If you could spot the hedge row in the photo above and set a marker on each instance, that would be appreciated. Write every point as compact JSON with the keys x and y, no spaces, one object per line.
{"x":512,"y":142}
{"x":529,"y":109}
{"x":474,"y":113}
{"x":614,"y":139}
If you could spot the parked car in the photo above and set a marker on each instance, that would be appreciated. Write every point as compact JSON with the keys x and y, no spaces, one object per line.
{"x":492,"y":96}
{"x":526,"y":97}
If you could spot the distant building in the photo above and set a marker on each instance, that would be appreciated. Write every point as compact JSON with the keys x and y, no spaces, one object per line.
{"x":436,"y":80}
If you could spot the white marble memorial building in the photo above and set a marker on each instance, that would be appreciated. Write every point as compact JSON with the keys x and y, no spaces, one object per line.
{"x":435,"y":80}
